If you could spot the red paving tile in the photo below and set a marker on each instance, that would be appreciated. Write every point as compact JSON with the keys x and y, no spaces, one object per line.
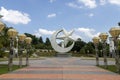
{"x":65,"y":76}
{"x":65,"y":68}
{"x":70,"y":76}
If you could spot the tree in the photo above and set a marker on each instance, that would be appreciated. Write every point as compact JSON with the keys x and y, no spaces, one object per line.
{"x":82,"y":50}
{"x":89,"y":48}
{"x":48,"y":44}
{"x":4,"y":41}
{"x":40,"y":46}
{"x":40,"y":40}
{"x":35,"y":40}
{"x":78,"y":45}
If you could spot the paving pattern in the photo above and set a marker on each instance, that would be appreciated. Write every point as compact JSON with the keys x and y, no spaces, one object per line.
{"x":61,"y":69}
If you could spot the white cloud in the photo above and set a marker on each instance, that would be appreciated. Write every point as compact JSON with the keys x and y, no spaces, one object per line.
{"x":90,"y":33}
{"x":88,"y":3}
{"x":45,"y":32}
{"x":91,"y":4}
{"x":51,"y":15}
{"x":86,"y":34}
{"x":83,"y":3}
{"x":42,"y":32}
{"x":76,"y":36}
{"x":102,"y":2}
{"x":37,"y":34}
{"x":51,"y":1}
{"x":116,"y":2}
{"x":91,"y":15}
{"x":73,"y":5}
{"x":14,"y":16}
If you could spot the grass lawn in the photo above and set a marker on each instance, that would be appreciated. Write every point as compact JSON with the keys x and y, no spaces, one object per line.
{"x":93,"y":58}
{"x":110,"y":68}
{"x":4,"y":68}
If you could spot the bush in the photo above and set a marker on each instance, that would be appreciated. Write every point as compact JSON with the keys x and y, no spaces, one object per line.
{"x":46,"y":54}
{"x":3,"y":54}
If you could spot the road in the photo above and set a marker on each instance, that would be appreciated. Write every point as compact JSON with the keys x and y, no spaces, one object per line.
{"x":61,"y":68}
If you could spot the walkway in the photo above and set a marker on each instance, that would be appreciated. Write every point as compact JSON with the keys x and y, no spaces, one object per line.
{"x":61,"y":69}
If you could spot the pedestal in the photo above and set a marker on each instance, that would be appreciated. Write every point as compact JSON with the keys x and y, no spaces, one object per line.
{"x":63,"y":54}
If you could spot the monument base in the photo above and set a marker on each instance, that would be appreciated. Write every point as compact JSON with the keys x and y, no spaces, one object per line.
{"x":63,"y":54}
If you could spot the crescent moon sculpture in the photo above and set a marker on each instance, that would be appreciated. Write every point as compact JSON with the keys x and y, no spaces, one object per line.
{"x":66,"y":38}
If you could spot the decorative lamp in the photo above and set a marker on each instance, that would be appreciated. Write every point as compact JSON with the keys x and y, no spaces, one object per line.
{"x":115,"y":31}
{"x":103,"y":36}
{"x":12,"y":33}
{"x":28,"y":40}
{"x":96,"y":40}
{"x":21,"y":37}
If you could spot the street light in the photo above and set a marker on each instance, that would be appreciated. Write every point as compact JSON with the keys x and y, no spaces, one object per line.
{"x":17,"y":46}
{"x":96,"y":41}
{"x":21,"y":38}
{"x":28,"y":41}
{"x":12,"y":33}
{"x":103,"y":37}
{"x":115,"y":32}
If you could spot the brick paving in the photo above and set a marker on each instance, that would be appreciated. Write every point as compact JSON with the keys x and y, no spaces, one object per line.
{"x":61,"y":69}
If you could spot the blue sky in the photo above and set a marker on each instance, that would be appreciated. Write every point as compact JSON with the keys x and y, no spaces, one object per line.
{"x":42,"y":17}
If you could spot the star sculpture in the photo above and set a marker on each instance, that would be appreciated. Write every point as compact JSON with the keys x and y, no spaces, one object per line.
{"x":66,"y":37}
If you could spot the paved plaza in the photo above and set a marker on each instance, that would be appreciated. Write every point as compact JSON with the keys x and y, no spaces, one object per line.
{"x":70,"y":68}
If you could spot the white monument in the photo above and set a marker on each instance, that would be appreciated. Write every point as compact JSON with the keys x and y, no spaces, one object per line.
{"x":65,"y":38}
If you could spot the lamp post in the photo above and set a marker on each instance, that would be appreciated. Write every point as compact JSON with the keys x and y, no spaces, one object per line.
{"x":28,"y":42}
{"x":16,"y":46}
{"x":96,"y":41}
{"x":12,"y":33}
{"x":115,"y":32}
{"x":21,"y":38}
{"x":103,"y":37}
